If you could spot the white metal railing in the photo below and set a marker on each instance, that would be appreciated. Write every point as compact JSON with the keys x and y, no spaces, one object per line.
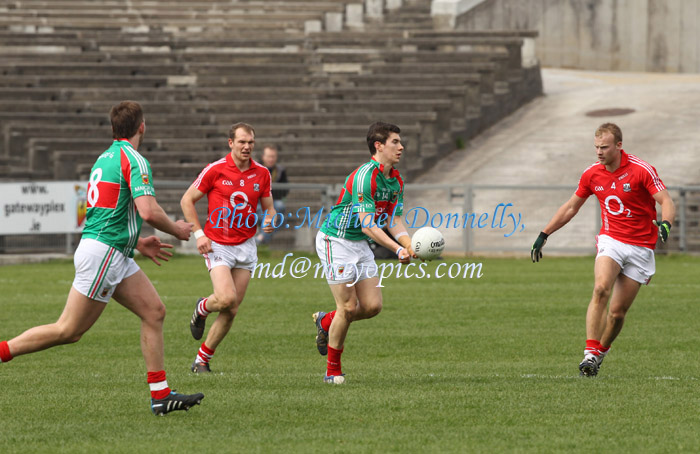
{"x":479,"y":215}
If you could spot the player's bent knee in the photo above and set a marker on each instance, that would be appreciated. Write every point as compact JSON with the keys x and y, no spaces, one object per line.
{"x":68,"y":336}
{"x":159,"y":313}
{"x":347,"y":313}
{"x":617,"y":315}
{"x":601,"y":292}
{"x":228,"y":303}
{"x":232,"y":310}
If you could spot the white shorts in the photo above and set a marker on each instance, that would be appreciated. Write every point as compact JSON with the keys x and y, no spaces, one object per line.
{"x":345,"y":261}
{"x":99,"y":269}
{"x":243,"y":256}
{"x":637,"y":262}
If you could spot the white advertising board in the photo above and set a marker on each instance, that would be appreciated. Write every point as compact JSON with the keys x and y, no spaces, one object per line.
{"x":42,"y":207}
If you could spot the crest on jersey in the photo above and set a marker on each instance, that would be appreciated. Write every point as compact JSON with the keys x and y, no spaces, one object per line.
{"x":395,"y":197}
{"x":626,"y":187}
{"x":145,"y":179}
{"x":360,"y":197}
{"x":256,"y":187}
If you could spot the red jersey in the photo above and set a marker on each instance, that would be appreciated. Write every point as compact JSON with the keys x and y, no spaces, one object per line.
{"x":233,"y":197}
{"x":625,"y":195}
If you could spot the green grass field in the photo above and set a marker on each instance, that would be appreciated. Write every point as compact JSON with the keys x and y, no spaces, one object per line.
{"x":450,"y":365}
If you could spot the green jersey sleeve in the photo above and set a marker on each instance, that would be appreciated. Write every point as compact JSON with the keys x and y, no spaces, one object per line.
{"x":140,"y":175}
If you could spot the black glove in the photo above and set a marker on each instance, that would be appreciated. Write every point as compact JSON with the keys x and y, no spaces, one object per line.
{"x":664,"y":230}
{"x":536,"y":252}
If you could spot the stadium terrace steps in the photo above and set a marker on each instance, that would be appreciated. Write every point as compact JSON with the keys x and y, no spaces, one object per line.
{"x":198,"y":66}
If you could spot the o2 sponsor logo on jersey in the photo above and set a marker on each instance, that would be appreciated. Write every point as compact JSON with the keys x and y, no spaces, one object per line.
{"x":242,"y":203}
{"x":610,"y":207}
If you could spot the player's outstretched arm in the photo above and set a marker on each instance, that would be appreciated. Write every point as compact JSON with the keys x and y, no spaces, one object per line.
{"x":668,"y":213}
{"x":153,"y":214}
{"x":564,"y":214}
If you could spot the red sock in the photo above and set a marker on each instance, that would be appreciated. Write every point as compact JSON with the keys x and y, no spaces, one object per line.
{"x":202,"y":308}
{"x":5,"y":354}
{"x":158,"y":384}
{"x":204,"y":355}
{"x":333,"y":361}
{"x":602,"y":349}
{"x":592,"y":346}
{"x":327,"y":320}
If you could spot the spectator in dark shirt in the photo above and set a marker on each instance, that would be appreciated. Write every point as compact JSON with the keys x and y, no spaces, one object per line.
{"x":278,"y":174}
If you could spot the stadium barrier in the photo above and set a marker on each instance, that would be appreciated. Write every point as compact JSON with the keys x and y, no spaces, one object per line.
{"x":475,"y":219}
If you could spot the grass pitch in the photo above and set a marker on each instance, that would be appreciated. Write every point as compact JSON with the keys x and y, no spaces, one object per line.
{"x":450,"y":365}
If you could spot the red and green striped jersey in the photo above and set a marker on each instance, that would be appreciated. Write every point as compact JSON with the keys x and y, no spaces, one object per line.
{"x":366,"y":190}
{"x":118,"y":176}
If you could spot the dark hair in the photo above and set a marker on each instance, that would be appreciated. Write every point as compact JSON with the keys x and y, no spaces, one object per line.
{"x":126,"y":118}
{"x":235,"y":127}
{"x":612,"y":128}
{"x":380,"y":132}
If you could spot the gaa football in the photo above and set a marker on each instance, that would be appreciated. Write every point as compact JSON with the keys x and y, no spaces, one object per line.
{"x":428,"y":243}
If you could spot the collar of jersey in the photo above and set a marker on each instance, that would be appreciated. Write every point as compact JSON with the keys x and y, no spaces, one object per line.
{"x":393,"y":174}
{"x":623,"y":161}
{"x":125,"y":140}
{"x":232,"y":163}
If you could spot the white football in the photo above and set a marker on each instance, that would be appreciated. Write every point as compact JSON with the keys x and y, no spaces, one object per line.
{"x":428,"y":243}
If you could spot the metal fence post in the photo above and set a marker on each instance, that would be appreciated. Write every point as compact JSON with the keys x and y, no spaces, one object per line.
{"x":467,"y":204}
{"x":69,"y":243}
{"x":681,"y":219}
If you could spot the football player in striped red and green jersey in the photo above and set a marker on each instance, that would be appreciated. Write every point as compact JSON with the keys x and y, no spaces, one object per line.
{"x":120,"y":196}
{"x":119,"y":176}
{"x":371,"y":200}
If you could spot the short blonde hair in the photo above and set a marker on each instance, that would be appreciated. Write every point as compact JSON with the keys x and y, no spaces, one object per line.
{"x":611,"y":128}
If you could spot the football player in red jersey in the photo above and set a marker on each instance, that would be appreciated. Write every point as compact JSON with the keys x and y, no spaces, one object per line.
{"x":233,"y":186}
{"x":627,"y":189}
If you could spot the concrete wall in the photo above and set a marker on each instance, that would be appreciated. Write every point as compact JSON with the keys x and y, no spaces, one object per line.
{"x":622,"y":35}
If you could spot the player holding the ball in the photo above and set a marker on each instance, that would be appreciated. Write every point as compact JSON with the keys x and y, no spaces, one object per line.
{"x":628,"y":190}
{"x":372,"y":197}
